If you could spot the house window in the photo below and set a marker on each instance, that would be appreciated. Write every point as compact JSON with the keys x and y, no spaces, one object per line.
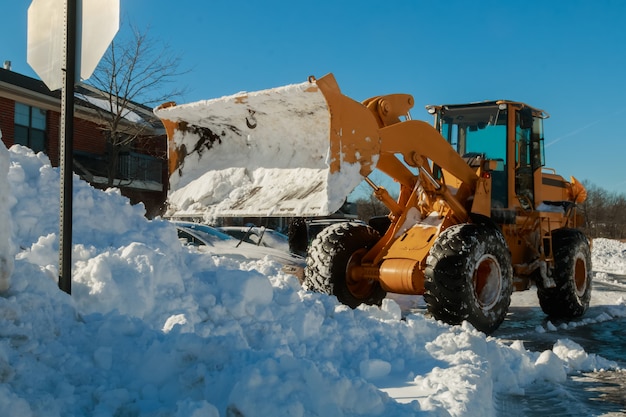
{"x":30,"y":127}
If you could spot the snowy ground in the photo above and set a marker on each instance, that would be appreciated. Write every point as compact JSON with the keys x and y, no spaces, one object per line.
{"x":152,"y":329}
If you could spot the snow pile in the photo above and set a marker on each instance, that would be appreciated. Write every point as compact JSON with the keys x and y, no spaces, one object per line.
{"x":152,"y":329}
{"x":609,"y":256}
{"x":6,"y":251}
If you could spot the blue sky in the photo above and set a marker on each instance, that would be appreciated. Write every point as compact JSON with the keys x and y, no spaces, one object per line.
{"x":566,"y":57}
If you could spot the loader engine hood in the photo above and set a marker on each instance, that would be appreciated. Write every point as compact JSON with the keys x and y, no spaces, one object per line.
{"x":297,"y":150}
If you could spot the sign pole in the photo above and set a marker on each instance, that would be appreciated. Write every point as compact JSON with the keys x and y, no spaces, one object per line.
{"x":52,"y":35}
{"x":66,"y":145}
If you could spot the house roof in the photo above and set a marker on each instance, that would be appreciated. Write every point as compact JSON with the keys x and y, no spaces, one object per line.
{"x":31,"y":84}
{"x":34,"y":92}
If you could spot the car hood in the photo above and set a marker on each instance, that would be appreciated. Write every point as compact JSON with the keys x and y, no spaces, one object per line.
{"x":247,"y":251}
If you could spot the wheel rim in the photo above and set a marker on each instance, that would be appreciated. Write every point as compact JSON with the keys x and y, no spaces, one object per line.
{"x":580,"y":276}
{"x":487,"y":280}
{"x":359,"y":288}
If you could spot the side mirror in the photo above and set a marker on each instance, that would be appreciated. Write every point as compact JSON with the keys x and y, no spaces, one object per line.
{"x":490,"y":165}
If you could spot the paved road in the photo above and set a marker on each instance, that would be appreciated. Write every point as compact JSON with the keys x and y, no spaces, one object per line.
{"x":600,"y":332}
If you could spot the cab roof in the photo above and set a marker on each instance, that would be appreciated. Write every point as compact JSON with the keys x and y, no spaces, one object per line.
{"x":493,"y":103}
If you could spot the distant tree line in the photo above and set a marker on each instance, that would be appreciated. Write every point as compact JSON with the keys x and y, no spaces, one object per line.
{"x":604,"y":211}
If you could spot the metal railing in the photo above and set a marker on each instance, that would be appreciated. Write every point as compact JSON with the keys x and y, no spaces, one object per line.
{"x":140,"y":167}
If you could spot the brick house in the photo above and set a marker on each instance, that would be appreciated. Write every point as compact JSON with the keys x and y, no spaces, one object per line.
{"x":30,"y":115}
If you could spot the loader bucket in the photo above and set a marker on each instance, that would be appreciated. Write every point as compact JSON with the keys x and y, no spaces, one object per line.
{"x":297,"y":150}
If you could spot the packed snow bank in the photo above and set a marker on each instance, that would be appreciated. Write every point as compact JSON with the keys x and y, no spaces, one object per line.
{"x":6,"y":251}
{"x":153,"y":329}
{"x":609,"y":256}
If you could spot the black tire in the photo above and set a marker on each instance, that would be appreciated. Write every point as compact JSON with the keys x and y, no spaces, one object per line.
{"x":298,"y":236}
{"x":572,"y":275}
{"x":330,"y":254}
{"x":469,"y":276}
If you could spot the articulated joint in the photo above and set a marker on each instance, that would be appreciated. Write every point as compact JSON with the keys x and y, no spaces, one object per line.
{"x":542,"y":266}
{"x":402,"y":276}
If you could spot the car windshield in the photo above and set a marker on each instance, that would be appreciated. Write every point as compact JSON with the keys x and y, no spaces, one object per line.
{"x":275,"y":236}
{"x":259,"y":236}
{"x":207,"y":233}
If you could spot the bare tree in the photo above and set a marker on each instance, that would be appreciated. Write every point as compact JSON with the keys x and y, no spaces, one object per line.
{"x":605,"y":213}
{"x":137,"y":70}
{"x":370,"y":207}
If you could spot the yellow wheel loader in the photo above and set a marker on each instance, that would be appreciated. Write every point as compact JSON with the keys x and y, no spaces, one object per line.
{"x":477,"y":216}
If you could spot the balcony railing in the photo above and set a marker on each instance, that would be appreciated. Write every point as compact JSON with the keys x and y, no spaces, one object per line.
{"x":134,"y":170}
{"x":140,"y":167}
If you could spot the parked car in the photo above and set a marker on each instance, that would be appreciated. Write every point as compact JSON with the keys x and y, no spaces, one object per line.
{"x":211,"y":240}
{"x":302,"y":231}
{"x":259,"y":236}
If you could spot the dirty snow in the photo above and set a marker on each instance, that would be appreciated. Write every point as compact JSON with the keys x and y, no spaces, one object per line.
{"x":153,"y":329}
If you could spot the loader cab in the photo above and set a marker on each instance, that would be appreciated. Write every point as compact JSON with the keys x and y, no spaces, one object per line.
{"x":479,"y":131}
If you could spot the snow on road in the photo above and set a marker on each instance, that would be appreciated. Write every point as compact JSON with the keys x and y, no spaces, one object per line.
{"x":154,"y":329}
